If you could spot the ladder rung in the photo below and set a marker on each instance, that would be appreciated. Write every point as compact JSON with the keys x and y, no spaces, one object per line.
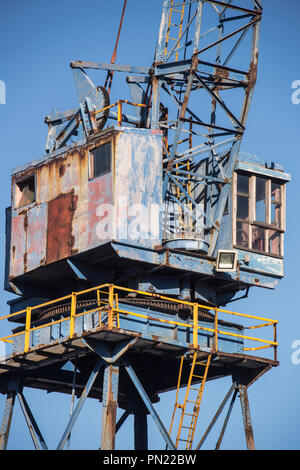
{"x":194,"y":408}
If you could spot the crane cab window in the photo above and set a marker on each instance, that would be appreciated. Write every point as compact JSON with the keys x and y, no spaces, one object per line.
{"x":100,"y":160}
{"x":25,"y":192}
{"x":259,"y":215}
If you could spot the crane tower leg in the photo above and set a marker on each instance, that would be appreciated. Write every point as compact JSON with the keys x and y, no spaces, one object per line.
{"x":140,"y":429}
{"x":109,"y":406}
{"x":246,"y":417}
{"x":6,"y":420}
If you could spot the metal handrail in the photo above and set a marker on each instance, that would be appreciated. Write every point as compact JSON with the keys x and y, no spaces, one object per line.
{"x":119,"y":103}
{"x":109,"y":305}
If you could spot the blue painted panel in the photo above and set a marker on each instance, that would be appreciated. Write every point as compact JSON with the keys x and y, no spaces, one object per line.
{"x":261,"y":263}
{"x":260,"y":169}
{"x":160,"y":285}
{"x":189,"y":263}
{"x":138,"y":188}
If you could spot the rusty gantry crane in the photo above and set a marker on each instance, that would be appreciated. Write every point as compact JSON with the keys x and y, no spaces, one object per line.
{"x":142,"y":220}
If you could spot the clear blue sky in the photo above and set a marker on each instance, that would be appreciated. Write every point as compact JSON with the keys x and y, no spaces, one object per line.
{"x":38,"y":40}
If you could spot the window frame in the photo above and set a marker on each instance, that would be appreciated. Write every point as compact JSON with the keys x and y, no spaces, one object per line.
{"x":17,"y":188}
{"x":267,"y":226}
{"x":91,"y":160}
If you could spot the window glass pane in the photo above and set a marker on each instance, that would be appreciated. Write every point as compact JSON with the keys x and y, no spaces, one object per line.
{"x":242,"y":234}
{"x":260,"y":199}
{"x":258,"y":238}
{"x":101,"y":160}
{"x":275,"y":192}
{"x":242,"y":207}
{"x":276,"y":214}
{"x":243,"y":184}
{"x":274,"y":242}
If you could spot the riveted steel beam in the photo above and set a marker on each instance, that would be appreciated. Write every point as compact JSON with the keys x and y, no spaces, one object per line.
{"x":6,"y":420}
{"x":219,"y":410}
{"x":80,"y":404}
{"x":34,"y":430}
{"x":109,"y":406}
{"x":226,"y":419}
{"x":246,"y":417}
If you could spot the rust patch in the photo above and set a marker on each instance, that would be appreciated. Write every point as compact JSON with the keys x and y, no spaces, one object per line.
{"x":167,"y":258}
{"x":25,"y":262}
{"x":253,"y":73}
{"x":222,"y":73}
{"x":82,"y":152}
{"x":59,"y":232}
{"x":25,"y":222}
{"x":62,"y":170}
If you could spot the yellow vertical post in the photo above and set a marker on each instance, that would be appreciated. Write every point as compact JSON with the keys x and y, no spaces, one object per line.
{"x":27,"y":329}
{"x":216,"y":330}
{"x":120,"y":113}
{"x":73,"y":313}
{"x":195,"y":325}
{"x":117,"y":311}
{"x":110,"y":305}
{"x":99,"y":305}
{"x":275,"y":341}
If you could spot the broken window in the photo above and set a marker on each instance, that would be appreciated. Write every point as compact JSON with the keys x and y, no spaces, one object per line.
{"x":242,"y":216}
{"x":100,"y":161}
{"x":25,"y":192}
{"x":276,"y":204}
{"x":260,"y":199}
{"x":259,"y":217}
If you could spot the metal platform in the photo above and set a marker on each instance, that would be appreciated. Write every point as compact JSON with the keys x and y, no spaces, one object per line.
{"x":41,"y":366}
{"x":133,"y":347}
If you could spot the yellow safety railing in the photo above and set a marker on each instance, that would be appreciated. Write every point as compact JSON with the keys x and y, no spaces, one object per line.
{"x":119,"y":104}
{"x":107,"y":303}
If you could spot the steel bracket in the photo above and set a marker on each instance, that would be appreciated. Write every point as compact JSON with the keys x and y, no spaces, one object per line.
{"x":109,"y":354}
